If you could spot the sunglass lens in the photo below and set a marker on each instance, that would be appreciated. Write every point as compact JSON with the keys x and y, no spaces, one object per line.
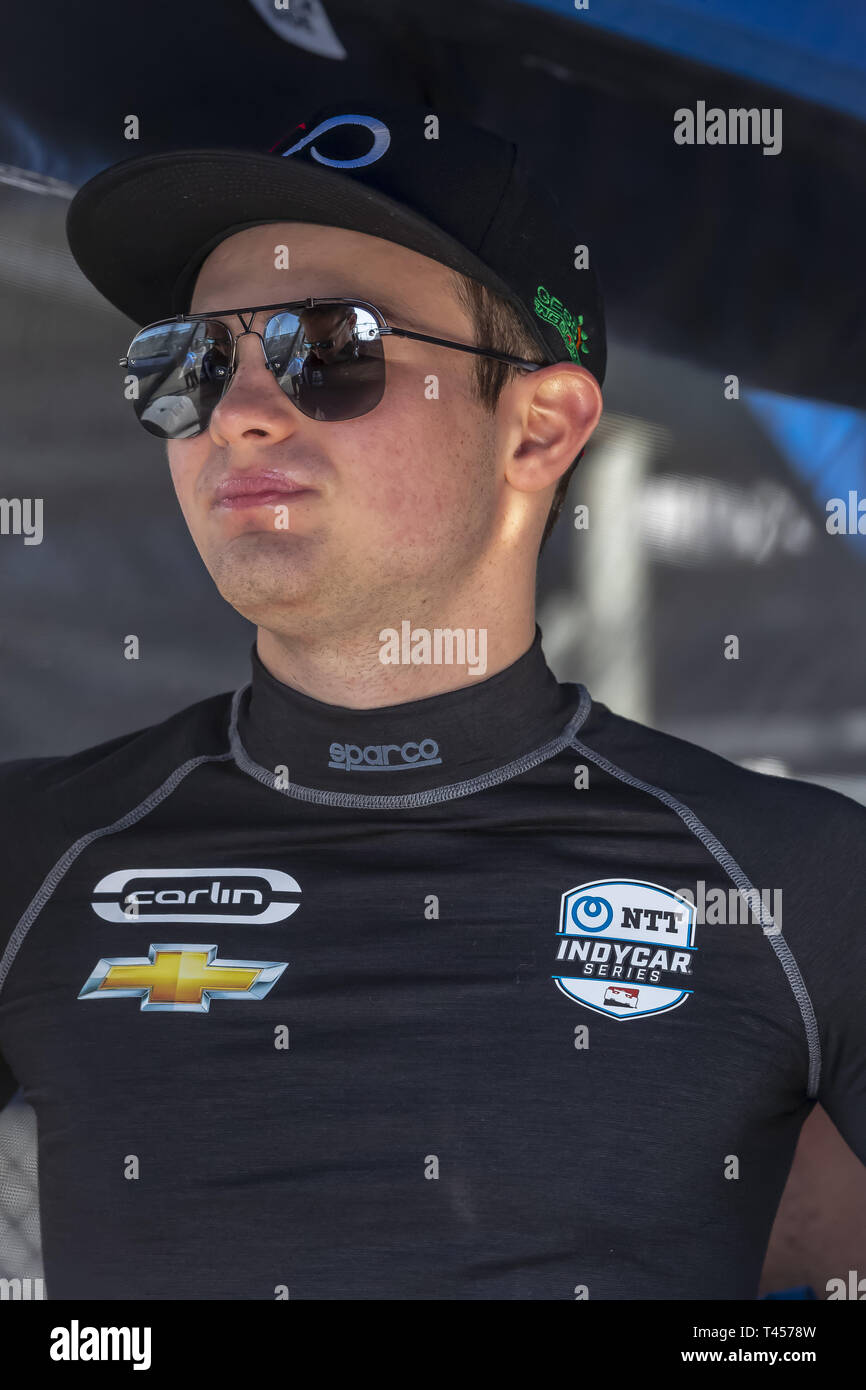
{"x":328,"y":360}
{"x":181,"y":371}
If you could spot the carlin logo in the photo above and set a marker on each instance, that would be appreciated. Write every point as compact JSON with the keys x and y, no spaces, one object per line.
{"x":238,"y":896}
{"x":628,"y":945}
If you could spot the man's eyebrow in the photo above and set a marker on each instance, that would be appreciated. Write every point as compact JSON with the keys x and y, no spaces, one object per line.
{"x":390,"y":309}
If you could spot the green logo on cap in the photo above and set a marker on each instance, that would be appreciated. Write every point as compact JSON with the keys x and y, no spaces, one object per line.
{"x":571,"y":329}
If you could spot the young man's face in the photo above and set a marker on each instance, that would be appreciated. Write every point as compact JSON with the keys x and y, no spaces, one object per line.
{"x":398,"y":504}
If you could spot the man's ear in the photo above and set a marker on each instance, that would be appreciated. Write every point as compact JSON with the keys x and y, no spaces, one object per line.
{"x":549,"y":415}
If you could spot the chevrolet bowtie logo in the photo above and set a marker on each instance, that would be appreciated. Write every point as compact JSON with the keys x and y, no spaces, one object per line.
{"x":181,"y":979}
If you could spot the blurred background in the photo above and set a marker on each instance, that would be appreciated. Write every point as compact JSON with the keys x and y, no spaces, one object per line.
{"x":709,"y":514}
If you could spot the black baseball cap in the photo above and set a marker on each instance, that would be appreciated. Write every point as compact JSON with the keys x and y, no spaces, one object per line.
{"x":141,"y":229}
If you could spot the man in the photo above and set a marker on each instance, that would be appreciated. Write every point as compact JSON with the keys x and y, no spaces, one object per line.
{"x":393,"y":976}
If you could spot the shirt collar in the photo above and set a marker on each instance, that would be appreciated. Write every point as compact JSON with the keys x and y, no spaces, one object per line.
{"x":412,"y":747}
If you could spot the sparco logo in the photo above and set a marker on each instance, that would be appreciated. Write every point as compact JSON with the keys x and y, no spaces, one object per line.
{"x":350,"y":758}
{"x":196,"y":895}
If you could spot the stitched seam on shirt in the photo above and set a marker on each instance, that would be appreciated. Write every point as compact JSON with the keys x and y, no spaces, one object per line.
{"x":432,"y":796}
{"x":67,"y":859}
{"x":732,"y":868}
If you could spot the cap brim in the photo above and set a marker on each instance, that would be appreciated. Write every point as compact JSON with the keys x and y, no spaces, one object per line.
{"x":138,"y":228}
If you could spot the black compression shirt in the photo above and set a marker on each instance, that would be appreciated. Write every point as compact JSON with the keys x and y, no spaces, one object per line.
{"x":494,"y":995}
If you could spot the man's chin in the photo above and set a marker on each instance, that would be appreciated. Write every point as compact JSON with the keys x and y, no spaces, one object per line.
{"x":261,"y":574}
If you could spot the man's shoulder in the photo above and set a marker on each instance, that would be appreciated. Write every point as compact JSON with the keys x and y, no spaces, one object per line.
{"x":736,"y":802}
{"x":50,"y":807}
{"x":118,"y":771}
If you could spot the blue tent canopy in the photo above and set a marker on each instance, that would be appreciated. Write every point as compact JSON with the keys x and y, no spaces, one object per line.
{"x":817,"y":52}
{"x":720,"y":255}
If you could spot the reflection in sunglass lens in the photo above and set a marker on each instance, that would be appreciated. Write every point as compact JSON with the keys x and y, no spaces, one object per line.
{"x":329,"y":360}
{"x":181,"y":370}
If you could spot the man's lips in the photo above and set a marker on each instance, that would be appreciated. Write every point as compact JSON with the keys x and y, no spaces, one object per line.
{"x":258,"y":490}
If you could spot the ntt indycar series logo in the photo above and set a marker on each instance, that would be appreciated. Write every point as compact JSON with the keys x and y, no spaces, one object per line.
{"x":626,"y":947}
{"x":196,"y":895}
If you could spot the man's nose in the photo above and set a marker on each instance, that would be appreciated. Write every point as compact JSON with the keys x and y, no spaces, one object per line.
{"x":253,"y":402}
{"x":247,"y":354}
{"x":249,"y":348}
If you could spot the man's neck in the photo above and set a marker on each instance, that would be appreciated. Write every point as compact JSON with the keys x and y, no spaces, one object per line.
{"x":410,"y":662}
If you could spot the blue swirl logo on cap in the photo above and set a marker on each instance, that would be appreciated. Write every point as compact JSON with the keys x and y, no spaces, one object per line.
{"x":378,"y":129}
{"x":591,"y":914}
